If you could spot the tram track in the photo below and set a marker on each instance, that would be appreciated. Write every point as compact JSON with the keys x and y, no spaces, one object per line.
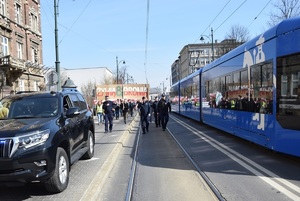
{"x":131,"y":182}
{"x":275,"y":181}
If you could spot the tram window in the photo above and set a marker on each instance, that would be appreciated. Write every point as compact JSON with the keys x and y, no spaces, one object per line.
{"x":223,"y":86}
{"x":256,"y":77}
{"x":288,"y":92}
{"x":267,"y":75}
{"x":236,"y":81}
{"x":284,"y":85}
{"x":229,"y":83}
{"x":244,"y":79}
{"x":295,"y":82}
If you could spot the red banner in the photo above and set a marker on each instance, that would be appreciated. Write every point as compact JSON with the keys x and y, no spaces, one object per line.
{"x":122,"y":91}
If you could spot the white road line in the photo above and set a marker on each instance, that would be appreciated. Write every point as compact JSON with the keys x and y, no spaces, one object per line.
{"x":237,"y":157}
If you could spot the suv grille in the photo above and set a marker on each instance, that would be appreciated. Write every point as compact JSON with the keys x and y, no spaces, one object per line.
{"x":5,"y":148}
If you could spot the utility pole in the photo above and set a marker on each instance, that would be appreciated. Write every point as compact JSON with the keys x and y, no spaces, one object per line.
{"x":57,"y":63}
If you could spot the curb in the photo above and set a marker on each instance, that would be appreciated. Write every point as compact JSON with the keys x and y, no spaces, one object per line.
{"x":94,"y":189}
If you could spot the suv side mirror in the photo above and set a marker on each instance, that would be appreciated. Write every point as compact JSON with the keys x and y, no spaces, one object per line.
{"x":72,"y":112}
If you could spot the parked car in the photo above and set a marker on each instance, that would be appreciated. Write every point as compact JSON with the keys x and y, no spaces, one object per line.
{"x":42,"y":135}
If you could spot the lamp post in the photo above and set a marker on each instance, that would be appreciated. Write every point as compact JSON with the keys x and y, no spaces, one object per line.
{"x":129,"y":78}
{"x":212,"y":42}
{"x":57,"y":63}
{"x":163,"y":85}
{"x":118,"y":62}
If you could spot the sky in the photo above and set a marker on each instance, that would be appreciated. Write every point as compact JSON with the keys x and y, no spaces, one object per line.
{"x":92,"y":33}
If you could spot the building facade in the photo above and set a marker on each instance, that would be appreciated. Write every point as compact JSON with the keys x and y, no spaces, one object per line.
{"x":21,"y":61}
{"x":82,"y":77}
{"x":195,"y":56}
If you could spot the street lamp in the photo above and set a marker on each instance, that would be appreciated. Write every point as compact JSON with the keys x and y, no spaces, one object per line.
{"x":212,"y":42}
{"x":57,"y":63}
{"x":118,"y":62}
{"x":163,"y":83}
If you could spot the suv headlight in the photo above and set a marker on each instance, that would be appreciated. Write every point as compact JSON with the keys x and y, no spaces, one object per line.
{"x":33,"y":139}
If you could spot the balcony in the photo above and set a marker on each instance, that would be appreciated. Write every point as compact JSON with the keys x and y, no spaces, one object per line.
{"x":12,"y":68}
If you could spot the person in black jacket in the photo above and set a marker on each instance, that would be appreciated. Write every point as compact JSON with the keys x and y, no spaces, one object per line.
{"x":109,"y":109}
{"x":164,"y":108}
{"x":155,"y":111}
{"x":144,"y":110}
{"x":124,"y":106}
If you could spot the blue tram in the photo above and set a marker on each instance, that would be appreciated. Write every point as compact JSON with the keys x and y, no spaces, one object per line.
{"x":252,"y":92}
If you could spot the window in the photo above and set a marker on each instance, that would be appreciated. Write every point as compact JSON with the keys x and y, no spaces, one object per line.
{"x":267,"y":75}
{"x":33,"y":55}
{"x":21,"y":85}
{"x":18,"y":13}
{"x":5,"y":48}
{"x":295,"y":82}
{"x":288,"y":92}
{"x":229,"y":83}
{"x":244,"y":79}
{"x":284,"y":85}
{"x":236,"y":81}
{"x":35,"y":86}
{"x":3,"y":7}
{"x":20,"y":50}
{"x":34,"y":22}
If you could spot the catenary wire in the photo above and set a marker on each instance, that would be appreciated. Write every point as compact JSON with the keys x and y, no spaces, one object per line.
{"x":230,"y":15}
{"x":213,"y":20}
{"x":259,"y":13}
{"x":146,"y":46}
{"x":75,"y":20}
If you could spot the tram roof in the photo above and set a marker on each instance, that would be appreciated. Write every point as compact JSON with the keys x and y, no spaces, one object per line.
{"x":283,"y":27}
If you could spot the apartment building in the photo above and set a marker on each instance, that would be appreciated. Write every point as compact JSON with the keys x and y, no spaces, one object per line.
{"x":195,"y":56}
{"x":21,"y":61}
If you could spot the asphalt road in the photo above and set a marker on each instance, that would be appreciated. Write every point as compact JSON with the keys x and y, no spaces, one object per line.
{"x":239,"y":170}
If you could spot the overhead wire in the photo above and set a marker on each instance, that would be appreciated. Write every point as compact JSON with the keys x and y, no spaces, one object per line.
{"x":46,"y":14}
{"x":230,"y":15}
{"x":213,"y":20}
{"x":259,"y":13}
{"x":146,"y":45}
{"x":75,"y":20}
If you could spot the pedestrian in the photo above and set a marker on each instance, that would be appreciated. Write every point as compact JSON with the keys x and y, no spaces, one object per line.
{"x":131,"y":107}
{"x":155,"y":112}
{"x":109,"y":114}
{"x":164,"y":108}
{"x":117,"y":109}
{"x":99,"y":111}
{"x":125,"y":106}
{"x":144,"y":110}
{"x":151,"y":111}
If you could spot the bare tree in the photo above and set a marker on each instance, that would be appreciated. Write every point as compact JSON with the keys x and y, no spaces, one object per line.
{"x":108,"y":80}
{"x":238,"y":33}
{"x":123,"y":75}
{"x":88,"y":91}
{"x":284,"y":9}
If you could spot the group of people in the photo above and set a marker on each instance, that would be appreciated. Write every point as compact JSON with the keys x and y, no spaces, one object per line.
{"x":258,"y":105}
{"x":159,"y":108}
{"x":107,"y":110}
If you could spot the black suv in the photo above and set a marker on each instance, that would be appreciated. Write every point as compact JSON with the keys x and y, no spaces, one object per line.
{"x":42,"y":134}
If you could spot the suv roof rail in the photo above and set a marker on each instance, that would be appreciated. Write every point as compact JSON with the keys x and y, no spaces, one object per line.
{"x":24,"y":92}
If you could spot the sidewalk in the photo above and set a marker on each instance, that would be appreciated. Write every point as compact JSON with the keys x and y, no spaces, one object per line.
{"x":162,"y":173}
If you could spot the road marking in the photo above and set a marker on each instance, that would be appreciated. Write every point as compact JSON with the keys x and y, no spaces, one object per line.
{"x":237,"y":157}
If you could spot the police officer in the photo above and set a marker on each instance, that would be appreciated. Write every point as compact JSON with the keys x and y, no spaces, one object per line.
{"x":109,"y":114}
{"x":155,"y":111}
{"x":164,"y":108}
{"x":144,"y":109}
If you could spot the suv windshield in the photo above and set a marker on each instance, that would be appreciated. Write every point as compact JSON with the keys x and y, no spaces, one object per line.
{"x":37,"y":107}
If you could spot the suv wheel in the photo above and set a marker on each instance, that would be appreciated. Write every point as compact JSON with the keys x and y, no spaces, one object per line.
{"x":60,"y":179}
{"x":90,"y":144}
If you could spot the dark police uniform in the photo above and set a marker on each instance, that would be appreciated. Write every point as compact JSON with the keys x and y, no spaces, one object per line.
{"x":108,"y":108}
